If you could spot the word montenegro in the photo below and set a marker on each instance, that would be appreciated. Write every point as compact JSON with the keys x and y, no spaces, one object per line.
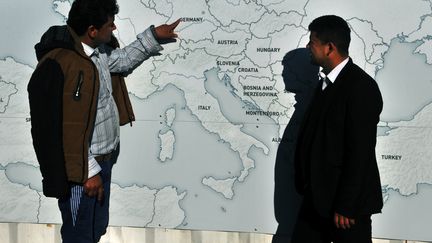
{"x":262,"y":113}
{"x":256,"y":90}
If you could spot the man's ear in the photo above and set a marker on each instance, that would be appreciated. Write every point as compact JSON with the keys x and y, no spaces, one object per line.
{"x":92,"y":31}
{"x":331,"y":47}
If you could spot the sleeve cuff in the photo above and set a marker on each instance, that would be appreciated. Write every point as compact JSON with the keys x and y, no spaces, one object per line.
{"x":93,"y":167}
{"x":148,"y":40}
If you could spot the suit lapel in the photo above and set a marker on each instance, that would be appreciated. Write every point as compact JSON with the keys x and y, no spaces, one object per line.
{"x":332,"y":92}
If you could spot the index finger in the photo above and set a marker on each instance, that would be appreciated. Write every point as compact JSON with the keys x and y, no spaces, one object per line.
{"x":346,"y":223}
{"x":336,"y":220}
{"x":174,"y":25}
{"x":100,"y":194}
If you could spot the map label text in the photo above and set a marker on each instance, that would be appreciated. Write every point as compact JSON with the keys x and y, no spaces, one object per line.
{"x":204,"y":107}
{"x":391,"y":157}
{"x":192,"y":19}
{"x":228,"y":63}
{"x":256,"y":90}
{"x":227,"y":42}
{"x":262,"y":113}
{"x":248,"y":70}
{"x":268,"y":49}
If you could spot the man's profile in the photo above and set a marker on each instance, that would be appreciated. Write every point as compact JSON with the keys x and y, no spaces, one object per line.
{"x":335,"y":166}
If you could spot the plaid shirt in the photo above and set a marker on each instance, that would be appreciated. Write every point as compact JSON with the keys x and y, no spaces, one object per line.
{"x":106,"y":134}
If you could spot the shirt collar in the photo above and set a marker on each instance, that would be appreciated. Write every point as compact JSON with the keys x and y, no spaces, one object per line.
{"x":335,"y":72}
{"x":89,"y":51}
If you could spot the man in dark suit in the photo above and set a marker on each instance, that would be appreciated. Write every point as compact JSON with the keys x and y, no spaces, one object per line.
{"x":335,"y":165}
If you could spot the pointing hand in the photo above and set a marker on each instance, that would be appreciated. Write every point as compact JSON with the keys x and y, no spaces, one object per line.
{"x":165,"y":33}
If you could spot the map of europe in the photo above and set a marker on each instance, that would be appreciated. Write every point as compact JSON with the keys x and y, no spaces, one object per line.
{"x":212,"y":108}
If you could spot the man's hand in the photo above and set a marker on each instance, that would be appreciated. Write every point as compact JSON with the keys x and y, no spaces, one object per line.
{"x":343,"y":222}
{"x":94,"y":187}
{"x":165,"y":32}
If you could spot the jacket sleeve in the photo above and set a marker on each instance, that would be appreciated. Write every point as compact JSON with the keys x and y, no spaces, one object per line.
{"x":45,"y":90}
{"x":124,"y":60}
{"x":364,"y":108}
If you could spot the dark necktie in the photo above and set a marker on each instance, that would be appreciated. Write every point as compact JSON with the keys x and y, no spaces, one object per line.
{"x":327,"y":82}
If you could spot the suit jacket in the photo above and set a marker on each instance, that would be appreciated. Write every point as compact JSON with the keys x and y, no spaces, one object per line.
{"x":335,"y":161}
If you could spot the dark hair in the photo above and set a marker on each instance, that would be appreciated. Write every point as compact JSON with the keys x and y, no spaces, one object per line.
{"x":85,"y":13}
{"x":332,"y":28}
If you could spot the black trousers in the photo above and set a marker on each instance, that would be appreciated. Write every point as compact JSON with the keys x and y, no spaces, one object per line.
{"x":313,"y":228}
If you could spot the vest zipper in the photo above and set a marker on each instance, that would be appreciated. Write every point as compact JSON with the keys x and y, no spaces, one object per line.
{"x":77,"y":92}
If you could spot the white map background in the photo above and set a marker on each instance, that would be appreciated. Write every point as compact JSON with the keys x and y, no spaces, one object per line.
{"x":187,"y":167}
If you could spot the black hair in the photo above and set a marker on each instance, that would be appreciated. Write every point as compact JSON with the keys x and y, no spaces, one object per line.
{"x":85,"y":13}
{"x":332,"y":28}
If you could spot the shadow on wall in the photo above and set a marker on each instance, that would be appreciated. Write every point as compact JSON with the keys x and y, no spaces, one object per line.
{"x":300,"y":77}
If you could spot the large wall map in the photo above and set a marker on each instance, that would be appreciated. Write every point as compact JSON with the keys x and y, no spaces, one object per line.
{"x":212,"y":108}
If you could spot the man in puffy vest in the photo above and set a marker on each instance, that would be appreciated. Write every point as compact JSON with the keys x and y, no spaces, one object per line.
{"x":78,"y":101}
